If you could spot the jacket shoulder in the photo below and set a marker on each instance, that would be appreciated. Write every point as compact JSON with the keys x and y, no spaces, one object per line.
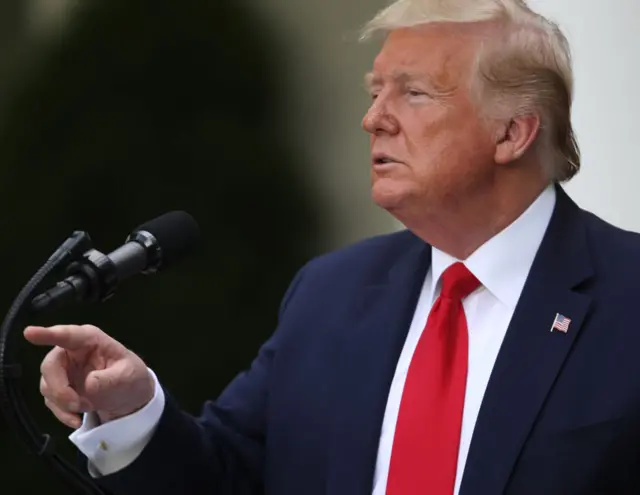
{"x":374,"y":254}
{"x":615,"y":251}
{"x":343,"y":271}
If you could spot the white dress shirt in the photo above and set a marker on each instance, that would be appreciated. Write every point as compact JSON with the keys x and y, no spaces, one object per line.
{"x":501,"y":265}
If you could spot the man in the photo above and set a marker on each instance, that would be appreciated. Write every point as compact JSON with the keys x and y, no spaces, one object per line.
{"x":490,"y":348}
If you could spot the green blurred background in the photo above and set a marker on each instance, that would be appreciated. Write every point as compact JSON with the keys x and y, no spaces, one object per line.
{"x":118,"y":111}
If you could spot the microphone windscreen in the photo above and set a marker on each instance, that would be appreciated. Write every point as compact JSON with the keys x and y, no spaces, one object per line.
{"x":177,"y":234}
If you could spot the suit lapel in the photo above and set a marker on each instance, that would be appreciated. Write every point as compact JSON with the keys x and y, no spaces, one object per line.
{"x":531,"y":355}
{"x":366,"y":358}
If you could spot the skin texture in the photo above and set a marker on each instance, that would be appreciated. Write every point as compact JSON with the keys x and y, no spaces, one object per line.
{"x":457,"y":179}
{"x":88,"y":371}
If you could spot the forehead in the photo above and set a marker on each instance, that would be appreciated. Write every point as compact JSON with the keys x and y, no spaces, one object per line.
{"x":444,"y":52}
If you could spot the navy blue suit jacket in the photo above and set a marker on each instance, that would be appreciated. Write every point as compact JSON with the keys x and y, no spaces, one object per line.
{"x":561,"y":414}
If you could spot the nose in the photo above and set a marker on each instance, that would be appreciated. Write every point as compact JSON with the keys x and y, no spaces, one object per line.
{"x":379,"y":120}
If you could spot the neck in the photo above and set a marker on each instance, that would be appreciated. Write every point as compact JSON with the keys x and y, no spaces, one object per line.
{"x":460,"y":228}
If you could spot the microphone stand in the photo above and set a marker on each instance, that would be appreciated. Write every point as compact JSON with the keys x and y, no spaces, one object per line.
{"x":12,"y":403}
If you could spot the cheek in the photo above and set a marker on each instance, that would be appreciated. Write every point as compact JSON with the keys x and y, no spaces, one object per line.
{"x":432,"y":143}
{"x":450,"y":134}
{"x":449,"y":152}
{"x":427,"y":126}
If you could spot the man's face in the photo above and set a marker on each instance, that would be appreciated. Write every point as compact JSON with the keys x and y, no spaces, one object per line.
{"x":429,"y":146}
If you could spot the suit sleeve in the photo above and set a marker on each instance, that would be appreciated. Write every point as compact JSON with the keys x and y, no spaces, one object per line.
{"x":220,"y":452}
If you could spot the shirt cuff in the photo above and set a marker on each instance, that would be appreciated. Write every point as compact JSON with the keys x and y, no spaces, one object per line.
{"x":112,"y":446}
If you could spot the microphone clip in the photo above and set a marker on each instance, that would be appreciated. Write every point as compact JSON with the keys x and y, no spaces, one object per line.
{"x":94,"y":276}
{"x":91,"y":278}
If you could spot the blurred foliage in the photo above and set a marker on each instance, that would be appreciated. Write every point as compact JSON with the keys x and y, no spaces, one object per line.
{"x":139,"y":108}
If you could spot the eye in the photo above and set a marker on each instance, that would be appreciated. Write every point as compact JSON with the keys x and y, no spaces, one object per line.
{"x":415,"y":92}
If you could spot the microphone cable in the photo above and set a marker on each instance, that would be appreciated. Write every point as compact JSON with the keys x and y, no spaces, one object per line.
{"x":12,"y":402}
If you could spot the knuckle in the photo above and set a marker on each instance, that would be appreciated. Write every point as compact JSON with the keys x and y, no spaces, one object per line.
{"x":92,"y":335}
{"x":44,"y":388}
{"x":91,"y":329}
{"x":44,"y":365}
{"x":50,"y":360}
{"x":59,"y":397}
{"x":56,"y":397}
{"x":61,"y":415}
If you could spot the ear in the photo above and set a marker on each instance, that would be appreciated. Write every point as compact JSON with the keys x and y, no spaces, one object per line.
{"x":516,"y":138}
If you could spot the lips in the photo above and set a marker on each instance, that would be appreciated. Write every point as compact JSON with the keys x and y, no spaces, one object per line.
{"x":383,"y":158}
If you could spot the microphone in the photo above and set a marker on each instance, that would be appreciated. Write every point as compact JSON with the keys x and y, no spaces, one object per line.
{"x":153,"y":246}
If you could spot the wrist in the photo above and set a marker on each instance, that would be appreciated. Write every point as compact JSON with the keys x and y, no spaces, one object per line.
{"x":106,"y":417}
{"x":149,"y":394}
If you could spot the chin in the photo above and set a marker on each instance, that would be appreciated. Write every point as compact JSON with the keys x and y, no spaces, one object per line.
{"x":389,"y":194}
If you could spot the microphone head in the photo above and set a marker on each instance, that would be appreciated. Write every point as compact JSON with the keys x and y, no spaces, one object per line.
{"x":177,"y":235}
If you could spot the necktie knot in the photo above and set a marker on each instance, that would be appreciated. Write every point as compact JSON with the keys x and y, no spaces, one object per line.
{"x":458,"y":282}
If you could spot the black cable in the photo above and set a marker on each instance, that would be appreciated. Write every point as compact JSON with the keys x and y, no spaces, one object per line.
{"x":12,"y":403}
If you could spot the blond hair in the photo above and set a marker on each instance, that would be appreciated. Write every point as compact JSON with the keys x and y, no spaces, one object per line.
{"x":524,"y":69}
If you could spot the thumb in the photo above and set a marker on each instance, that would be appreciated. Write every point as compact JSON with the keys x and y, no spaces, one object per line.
{"x":99,"y":382}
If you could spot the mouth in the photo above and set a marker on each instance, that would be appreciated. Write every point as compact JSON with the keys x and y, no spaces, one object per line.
{"x":380,"y":159}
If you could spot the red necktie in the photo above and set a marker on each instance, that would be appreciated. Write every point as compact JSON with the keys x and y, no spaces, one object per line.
{"x":427,"y":437}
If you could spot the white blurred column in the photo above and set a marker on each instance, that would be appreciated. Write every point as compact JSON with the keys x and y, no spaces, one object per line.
{"x":326,"y":103}
{"x":605,"y":38}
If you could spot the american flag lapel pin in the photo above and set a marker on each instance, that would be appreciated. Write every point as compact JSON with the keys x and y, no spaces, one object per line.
{"x":560,"y":323}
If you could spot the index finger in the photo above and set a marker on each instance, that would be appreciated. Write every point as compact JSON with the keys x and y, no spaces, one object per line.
{"x":70,"y":337}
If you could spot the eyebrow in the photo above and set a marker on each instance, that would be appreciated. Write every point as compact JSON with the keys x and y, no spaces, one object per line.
{"x":371,"y":80}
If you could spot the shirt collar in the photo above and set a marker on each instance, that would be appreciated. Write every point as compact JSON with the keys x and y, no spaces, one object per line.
{"x":502,"y":264}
